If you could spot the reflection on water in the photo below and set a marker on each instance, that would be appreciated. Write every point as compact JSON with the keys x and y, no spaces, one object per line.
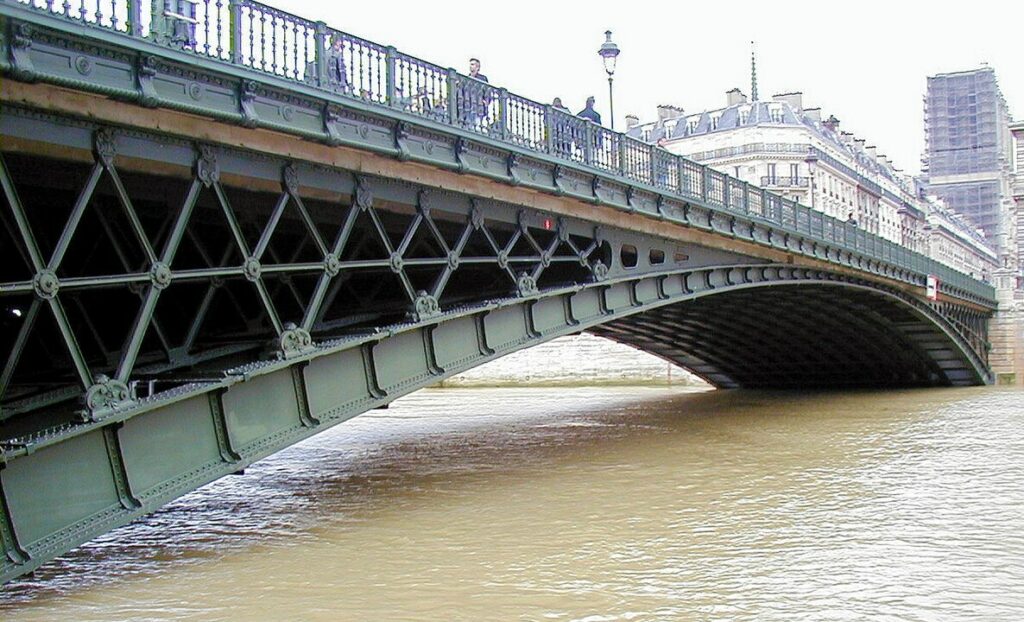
{"x":590,"y":504}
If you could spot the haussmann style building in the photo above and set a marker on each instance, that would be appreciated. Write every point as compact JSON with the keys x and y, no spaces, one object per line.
{"x":794,"y":151}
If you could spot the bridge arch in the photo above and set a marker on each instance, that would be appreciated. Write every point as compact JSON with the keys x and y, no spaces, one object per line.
{"x":819,"y":333}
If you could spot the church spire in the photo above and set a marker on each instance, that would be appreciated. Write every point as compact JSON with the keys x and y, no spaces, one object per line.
{"x":753,"y":73}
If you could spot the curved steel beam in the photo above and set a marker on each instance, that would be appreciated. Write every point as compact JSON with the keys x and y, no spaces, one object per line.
{"x":138,"y":456}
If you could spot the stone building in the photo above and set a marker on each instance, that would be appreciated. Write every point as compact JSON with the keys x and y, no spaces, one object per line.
{"x":1006,"y":332}
{"x":792,"y":150}
{"x":950,"y":239}
{"x":1015,"y":239}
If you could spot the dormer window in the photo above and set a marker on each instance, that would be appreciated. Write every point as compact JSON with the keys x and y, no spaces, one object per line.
{"x":714,"y":121}
{"x":691,"y":126}
{"x":775,"y":114}
{"x":744,"y":115}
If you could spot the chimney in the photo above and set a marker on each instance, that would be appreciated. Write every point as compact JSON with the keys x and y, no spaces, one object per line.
{"x":735,"y":96}
{"x":872,"y":151}
{"x":831,"y":123}
{"x":632,"y":121}
{"x":667,"y":112}
{"x":860,"y":142}
{"x":795,"y":100}
{"x":814,"y":114}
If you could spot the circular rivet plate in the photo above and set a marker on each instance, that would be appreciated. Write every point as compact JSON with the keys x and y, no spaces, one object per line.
{"x":83,"y":65}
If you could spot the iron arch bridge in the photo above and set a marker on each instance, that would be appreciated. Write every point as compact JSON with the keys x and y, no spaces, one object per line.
{"x":205,"y":259}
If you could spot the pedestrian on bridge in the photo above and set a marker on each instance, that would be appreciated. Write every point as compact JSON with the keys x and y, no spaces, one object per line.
{"x":474,"y":70}
{"x":561,"y":127}
{"x":474,"y":96}
{"x":588,"y":111}
{"x":337,"y":75}
{"x":594,"y":116}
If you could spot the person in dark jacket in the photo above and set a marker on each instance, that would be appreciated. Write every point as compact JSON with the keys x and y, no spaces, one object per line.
{"x":474,"y":97}
{"x":589,"y":113}
{"x":337,"y":76}
{"x":474,"y":70}
{"x":561,"y":127}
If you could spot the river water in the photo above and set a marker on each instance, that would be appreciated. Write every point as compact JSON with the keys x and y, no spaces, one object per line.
{"x":590,"y":505}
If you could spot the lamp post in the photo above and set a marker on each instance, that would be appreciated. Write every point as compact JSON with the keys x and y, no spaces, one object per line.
{"x":608,"y":52}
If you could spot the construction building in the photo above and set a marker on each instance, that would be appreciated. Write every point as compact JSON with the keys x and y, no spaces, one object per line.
{"x":968,"y":149}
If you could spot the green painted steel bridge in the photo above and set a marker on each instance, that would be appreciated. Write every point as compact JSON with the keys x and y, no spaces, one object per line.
{"x":224,"y":228}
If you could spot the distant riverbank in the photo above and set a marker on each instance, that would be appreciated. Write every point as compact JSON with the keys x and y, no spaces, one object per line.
{"x":578,"y":360}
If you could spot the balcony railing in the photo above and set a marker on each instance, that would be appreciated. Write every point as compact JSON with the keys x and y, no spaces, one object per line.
{"x":282,"y":46}
{"x":770,"y":181}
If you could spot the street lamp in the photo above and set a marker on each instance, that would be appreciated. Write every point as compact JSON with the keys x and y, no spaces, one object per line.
{"x":608,"y":52}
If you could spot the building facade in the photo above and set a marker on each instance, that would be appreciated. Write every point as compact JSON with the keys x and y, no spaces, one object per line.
{"x":968,"y":149}
{"x":1006,"y":331}
{"x":789,"y":149}
{"x":951,"y":240}
{"x":1016,"y":238}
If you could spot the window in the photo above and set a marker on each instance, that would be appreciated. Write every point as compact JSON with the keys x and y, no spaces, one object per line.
{"x":714,"y":122}
{"x":775,"y":113}
{"x":771,"y":173}
{"x":691,"y":126}
{"x":744,"y":115}
{"x":794,"y":172}
{"x":656,"y":256}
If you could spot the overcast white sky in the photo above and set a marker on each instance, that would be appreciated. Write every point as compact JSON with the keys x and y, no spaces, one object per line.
{"x":865,"y":61}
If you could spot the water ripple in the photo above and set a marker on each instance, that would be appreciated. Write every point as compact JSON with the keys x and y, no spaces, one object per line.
{"x":590,"y":505}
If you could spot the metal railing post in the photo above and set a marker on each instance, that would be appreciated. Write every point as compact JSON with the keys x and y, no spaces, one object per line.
{"x":746,"y":197}
{"x":453,"y":80}
{"x":681,"y":171}
{"x":651,"y":166}
{"x":235,"y":24}
{"x":320,"y":57}
{"x":503,"y":120}
{"x":391,"y":75}
{"x":621,"y":152}
{"x":704,"y":183}
{"x":135,"y":18}
{"x":588,"y":143}
{"x":549,"y":129}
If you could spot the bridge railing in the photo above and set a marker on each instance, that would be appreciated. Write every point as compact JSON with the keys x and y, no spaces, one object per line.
{"x":268,"y":40}
{"x":113,"y":14}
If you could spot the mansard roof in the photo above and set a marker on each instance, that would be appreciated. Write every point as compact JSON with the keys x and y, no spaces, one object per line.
{"x":759,"y":114}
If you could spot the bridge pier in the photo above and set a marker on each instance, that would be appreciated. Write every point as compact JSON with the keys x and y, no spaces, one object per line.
{"x":1006,"y":331}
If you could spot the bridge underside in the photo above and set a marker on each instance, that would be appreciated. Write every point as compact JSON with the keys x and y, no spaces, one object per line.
{"x":798,"y":336}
